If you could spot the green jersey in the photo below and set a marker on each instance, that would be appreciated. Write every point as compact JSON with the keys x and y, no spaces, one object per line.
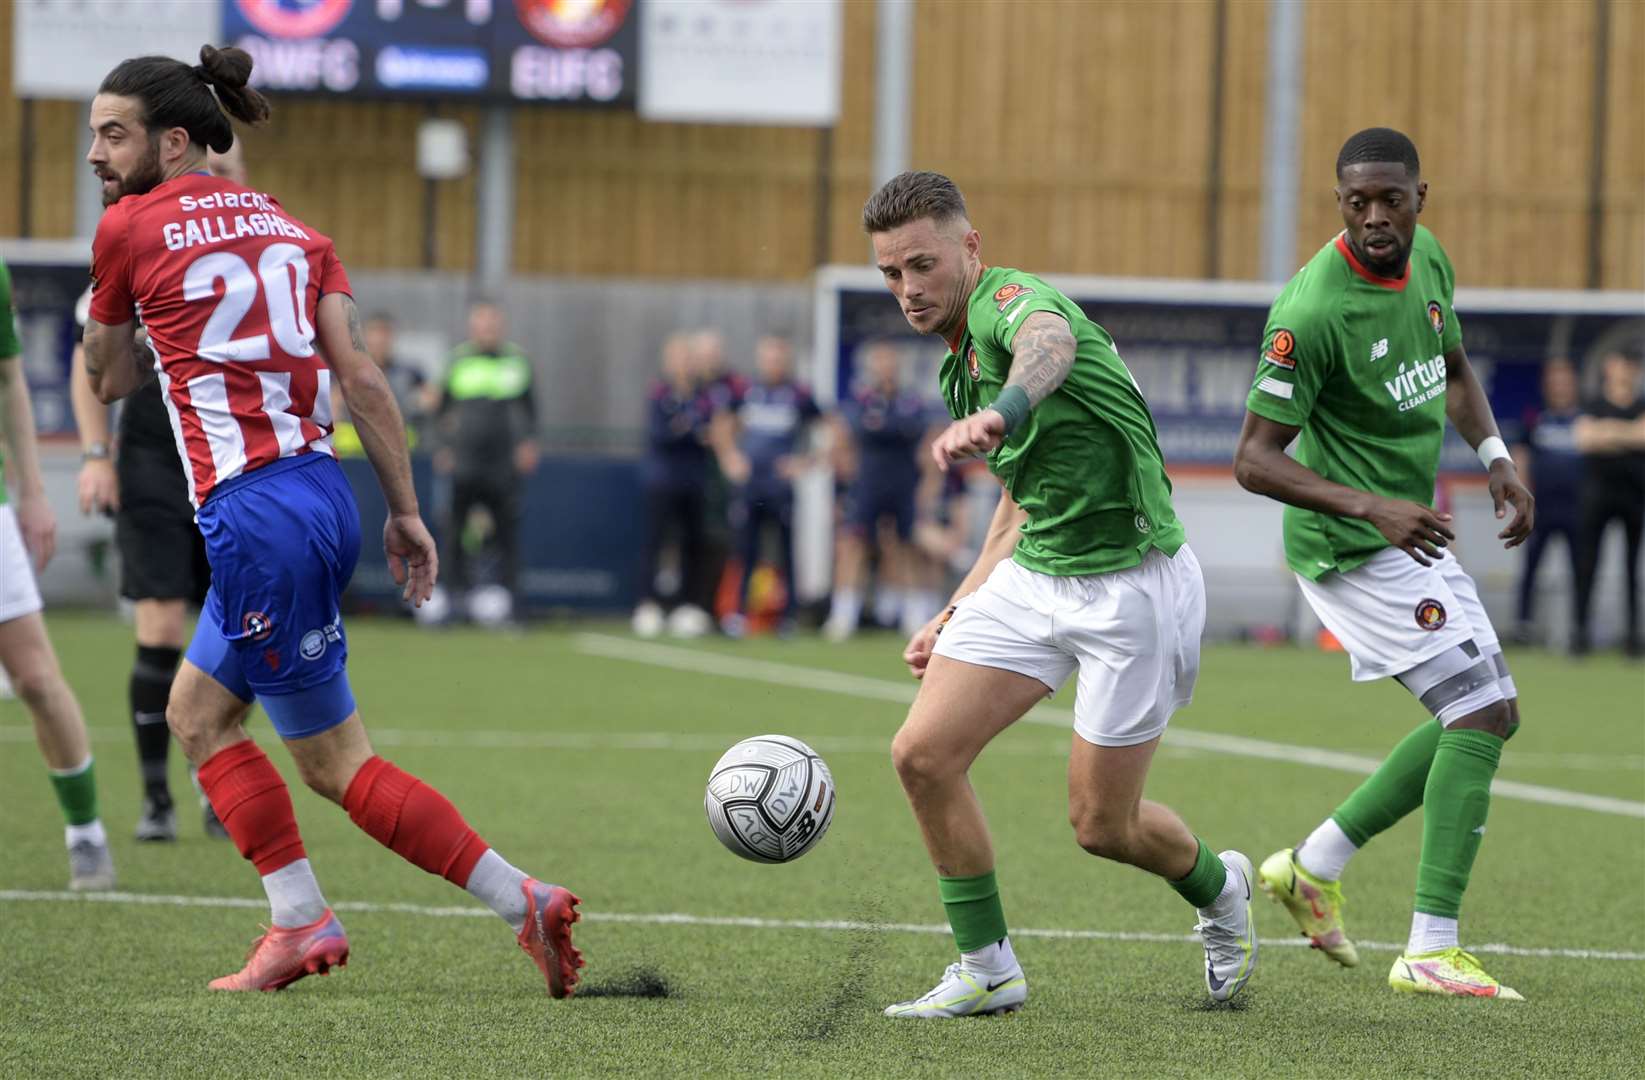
{"x":9,"y":348}
{"x":1085,"y":466}
{"x":1357,"y":362}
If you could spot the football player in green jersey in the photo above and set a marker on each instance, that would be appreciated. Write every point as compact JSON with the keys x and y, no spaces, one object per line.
{"x":1086,"y":569}
{"x":28,"y":536}
{"x":1363,"y":358}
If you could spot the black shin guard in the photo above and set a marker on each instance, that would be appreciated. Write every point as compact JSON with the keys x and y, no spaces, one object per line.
{"x":150,"y":686}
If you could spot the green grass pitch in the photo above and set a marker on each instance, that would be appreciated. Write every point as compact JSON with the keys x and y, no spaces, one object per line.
{"x":588,"y":769}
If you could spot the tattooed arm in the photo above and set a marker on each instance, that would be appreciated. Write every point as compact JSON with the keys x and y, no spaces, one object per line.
{"x":118,"y":360}
{"x":1042,"y":355}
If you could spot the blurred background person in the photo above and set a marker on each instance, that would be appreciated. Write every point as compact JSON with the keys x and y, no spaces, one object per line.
{"x":676,"y":476}
{"x":762,"y":454}
{"x":1610,"y":433}
{"x":412,"y":391}
{"x":1546,"y":453}
{"x":487,"y":419}
{"x":886,"y":427}
{"x":720,"y":391}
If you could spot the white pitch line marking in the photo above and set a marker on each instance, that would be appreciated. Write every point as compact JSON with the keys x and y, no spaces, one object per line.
{"x":795,"y":676}
{"x":749,"y":922}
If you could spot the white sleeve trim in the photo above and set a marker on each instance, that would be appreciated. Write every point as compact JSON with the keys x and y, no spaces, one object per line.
{"x":1275,"y":387}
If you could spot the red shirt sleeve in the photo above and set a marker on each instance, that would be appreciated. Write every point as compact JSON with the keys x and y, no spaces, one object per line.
{"x":333,"y":278}
{"x":111,"y":299}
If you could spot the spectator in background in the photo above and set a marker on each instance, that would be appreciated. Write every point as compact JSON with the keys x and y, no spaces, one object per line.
{"x":412,"y":392}
{"x":886,"y":427}
{"x":721,"y":391}
{"x":487,"y":419}
{"x":1610,"y":433}
{"x":1546,"y":453}
{"x":761,"y":456}
{"x":676,"y":481}
{"x":722,"y":388}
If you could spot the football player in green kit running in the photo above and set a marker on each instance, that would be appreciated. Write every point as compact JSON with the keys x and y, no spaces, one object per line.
{"x":1363,"y":358}
{"x":1086,"y":570}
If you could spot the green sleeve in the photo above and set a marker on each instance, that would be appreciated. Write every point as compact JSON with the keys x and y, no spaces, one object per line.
{"x":1008,"y":308}
{"x":1298,"y":355}
{"x":8,"y":322}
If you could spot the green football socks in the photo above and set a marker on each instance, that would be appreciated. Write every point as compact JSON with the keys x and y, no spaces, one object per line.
{"x":974,"y":911}
{"x":1456,"y":800}
{"x":77,"y":792}
{"x":1394,"y":790}
{"x":1205,"y":881}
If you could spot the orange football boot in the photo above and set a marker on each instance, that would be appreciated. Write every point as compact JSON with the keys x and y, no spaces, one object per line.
{"x":283,"y":955}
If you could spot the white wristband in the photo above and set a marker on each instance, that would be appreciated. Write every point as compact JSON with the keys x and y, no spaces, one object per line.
{"x":1491,"y":449}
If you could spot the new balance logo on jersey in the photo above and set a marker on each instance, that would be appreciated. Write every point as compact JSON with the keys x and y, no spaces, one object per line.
{"x":1379,"y":350}
{"x":1413,"y":385}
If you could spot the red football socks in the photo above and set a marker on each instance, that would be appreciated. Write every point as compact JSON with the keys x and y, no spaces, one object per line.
{"x":413,"y":820}
{"x":254,"y":805}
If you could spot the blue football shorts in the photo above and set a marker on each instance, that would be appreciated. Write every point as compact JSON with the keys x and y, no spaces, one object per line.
{"x":282,"y":542}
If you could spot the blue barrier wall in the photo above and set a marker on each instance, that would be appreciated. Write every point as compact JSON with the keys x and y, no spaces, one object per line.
{"x":584,"y":521}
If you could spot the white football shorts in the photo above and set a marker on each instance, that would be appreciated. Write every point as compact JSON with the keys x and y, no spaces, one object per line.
{"x":18,"y":594}
{"x":1132,"y":634}
{"x":1392,"y":613}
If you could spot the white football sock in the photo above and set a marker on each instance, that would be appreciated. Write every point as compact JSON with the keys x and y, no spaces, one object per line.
{"x":497,"y":885}
{"x":294,"y":895}
{"x":1231,"y":896}
{"x":888,"y":605}
{"x":846,"y":608}
{"x":91,"y":830}
{"x":1430,"y":933}
{"x":995,"y":959}
{"x":1326,"y":851}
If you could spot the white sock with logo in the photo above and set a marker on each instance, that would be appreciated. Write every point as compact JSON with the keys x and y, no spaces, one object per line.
{"x":497,"y":885}
{"x":294,"y":896}
{"x":1326,"y":851}
{"x":1430,"y":933}
{"x":995,"y":959}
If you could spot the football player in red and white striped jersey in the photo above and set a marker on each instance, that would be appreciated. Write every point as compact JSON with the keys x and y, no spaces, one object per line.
{"x":248,"y":316}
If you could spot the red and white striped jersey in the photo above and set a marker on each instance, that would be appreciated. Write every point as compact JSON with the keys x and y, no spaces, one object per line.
{"x":227,"y":284}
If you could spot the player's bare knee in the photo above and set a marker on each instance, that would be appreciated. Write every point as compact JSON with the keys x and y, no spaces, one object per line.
{"x":37,"y":685}
{"x":323,"y":778}
{"x":187,"y":728}
{"x":1100,"y":835}
{"x":1494,"y":719}
{"x":919,"y":765}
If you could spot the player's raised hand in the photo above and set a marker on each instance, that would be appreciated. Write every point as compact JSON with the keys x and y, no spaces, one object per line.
{"x":1419,"y":531}
{"x":1506,"y":491}
{"x":39,"y":528}
{"x":412,"y":558}
{"x":978,"y":433}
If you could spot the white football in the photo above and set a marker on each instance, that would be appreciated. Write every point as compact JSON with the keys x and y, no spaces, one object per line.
{"x":770,"y":799}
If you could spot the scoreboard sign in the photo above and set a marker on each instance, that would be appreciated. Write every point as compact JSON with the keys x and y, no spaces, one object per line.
{"x":566,"y":52}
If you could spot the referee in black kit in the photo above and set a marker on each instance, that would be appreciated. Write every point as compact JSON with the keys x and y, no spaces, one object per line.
{"x":138,"y":479}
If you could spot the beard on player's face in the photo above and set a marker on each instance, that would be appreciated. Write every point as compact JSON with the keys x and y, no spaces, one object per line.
{"x":138,"y":179}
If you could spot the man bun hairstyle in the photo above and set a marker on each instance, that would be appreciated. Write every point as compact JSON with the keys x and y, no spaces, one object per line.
{"x":1379,"y":144}
{"x":173,"y":94}
{"x":911,"y":196}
